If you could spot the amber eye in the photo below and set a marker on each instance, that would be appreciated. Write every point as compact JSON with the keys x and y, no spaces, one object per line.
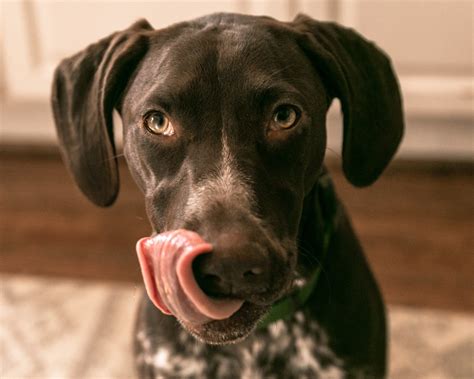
{"x":285,"y":117}
{"x":158,"y":123}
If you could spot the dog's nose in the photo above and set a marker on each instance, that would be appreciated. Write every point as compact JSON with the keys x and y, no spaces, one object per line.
{"x":235,"y":268}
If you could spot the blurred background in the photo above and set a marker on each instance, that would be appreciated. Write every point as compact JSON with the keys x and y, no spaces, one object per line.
{"x":69,"y":276}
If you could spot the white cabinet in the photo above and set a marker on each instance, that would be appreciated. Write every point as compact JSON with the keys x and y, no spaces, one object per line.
{"x":430,"y":43}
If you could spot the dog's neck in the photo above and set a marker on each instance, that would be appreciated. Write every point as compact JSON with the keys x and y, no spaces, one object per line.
{"x":322,"y":208}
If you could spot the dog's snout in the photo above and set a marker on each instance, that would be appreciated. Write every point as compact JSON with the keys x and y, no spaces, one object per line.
{"x":227,"y":277}
{"x":233,"y":269}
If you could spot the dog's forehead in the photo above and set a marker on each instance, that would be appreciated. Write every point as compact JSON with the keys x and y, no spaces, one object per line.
{"x":227,"y":44}
{"x":213,"y":56}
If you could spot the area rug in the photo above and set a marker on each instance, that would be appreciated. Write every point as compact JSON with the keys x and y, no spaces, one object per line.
{"x":55,"y":328}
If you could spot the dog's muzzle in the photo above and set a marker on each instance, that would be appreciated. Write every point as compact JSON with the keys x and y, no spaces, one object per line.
{"x":166,"y":262}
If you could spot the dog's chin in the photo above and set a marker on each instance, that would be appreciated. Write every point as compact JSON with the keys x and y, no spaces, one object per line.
{"x":231,"y":330}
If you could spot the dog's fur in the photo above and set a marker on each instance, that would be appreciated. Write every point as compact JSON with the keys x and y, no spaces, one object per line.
{"x":254,"y":193}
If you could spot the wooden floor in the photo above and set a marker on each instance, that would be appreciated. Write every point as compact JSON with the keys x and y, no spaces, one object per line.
{"x":416,"y":224}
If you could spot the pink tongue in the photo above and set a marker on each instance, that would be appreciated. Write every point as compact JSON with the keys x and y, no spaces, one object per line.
{"x":166,"y":265}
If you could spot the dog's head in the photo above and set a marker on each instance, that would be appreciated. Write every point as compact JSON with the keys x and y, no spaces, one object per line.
{"x":224,"y":132}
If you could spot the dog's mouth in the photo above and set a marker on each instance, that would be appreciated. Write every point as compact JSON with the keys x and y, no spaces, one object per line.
{"x":233,"y":329}
{"x":166,"y":265}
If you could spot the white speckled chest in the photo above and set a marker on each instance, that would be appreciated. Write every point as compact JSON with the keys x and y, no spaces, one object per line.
{"x":297,"y":348}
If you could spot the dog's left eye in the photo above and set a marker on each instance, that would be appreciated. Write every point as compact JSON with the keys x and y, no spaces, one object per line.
{"x":285,"y":117}
{"x":158,"y":123}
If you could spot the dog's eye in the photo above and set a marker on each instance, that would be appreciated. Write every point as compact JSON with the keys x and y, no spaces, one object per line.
{"x":285,"y":117}
{"x":158,"y":123}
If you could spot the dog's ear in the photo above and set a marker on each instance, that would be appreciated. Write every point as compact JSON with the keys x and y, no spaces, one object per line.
{"x":86,"y":88}
{"x":361,"y":76}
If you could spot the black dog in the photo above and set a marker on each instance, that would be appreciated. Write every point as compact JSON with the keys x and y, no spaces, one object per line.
{"x":224,"y":132}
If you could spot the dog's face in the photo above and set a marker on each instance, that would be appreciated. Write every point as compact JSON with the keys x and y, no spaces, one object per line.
{"x":226,"y":140}
{"x":224,"y":133}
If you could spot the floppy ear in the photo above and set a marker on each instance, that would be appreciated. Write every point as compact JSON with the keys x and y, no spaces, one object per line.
{"x":85,"y":91}
{"x":361,"y":76}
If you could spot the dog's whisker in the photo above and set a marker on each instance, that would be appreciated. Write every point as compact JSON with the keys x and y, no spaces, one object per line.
{"x":336,"y":153}
{"x":113,"y":157}
{"x":307,"y":254}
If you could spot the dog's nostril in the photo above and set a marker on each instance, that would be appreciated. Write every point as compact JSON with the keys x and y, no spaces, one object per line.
{"x":211,"y":278}
{"x":207,"y":279}
{"x":213,"y":285}
{"x":253,"y":272}
{"x":231,"y":273}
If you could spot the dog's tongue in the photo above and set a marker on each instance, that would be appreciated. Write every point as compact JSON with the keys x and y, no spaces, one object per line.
{"x":166,"y":264}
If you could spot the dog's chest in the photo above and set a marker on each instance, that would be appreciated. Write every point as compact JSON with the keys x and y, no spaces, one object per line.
{"x":287,"y":349}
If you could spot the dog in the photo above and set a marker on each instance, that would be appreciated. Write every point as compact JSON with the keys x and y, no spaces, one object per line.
{"x":224,"y":133}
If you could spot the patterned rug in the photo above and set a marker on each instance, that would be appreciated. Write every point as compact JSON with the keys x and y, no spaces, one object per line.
{"x":51,"y":328}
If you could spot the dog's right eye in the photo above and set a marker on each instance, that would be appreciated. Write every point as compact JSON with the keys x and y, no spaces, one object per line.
{"x":285,"y":117}
{"x":158,"y":123}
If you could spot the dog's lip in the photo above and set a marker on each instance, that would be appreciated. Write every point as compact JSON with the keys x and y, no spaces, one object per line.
{"x":230,"y":330}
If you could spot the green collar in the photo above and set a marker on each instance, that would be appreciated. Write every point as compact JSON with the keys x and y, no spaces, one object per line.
{"x":287,"y":306}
